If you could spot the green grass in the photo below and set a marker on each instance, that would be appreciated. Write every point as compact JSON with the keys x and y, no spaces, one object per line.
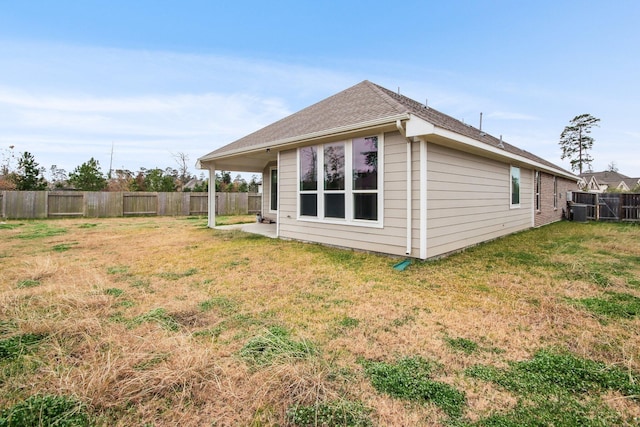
{"x":14,"y":347}
{"x":465,"y":345}
{"x":273,"y":346}
{"x":40,"y":230}
{"x":558,"y":388}
{"x":612,"y":305}
{"x":28,"y":283}
{"x":333,"y":413}
{"x":158,"y":316}
{"x":224,"y":305}
{"x":410,"y":379}
{"x":47,"y":410}
{"x":180,"y":275}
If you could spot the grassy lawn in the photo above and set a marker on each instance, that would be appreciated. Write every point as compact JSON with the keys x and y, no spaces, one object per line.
{"x":162,"y":321}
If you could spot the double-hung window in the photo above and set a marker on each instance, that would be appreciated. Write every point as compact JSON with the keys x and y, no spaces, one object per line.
{"x":340,"y":182}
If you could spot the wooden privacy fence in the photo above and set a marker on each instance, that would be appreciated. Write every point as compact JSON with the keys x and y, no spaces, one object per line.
{"x":93,"y":204}
{"x":609,"y":206}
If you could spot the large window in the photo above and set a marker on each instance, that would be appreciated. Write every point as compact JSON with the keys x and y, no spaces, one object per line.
{"x":349,"y":178}
{"x":515,"y":186}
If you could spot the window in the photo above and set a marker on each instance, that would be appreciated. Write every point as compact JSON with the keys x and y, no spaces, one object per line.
{"x":365,"y":178}
{"x":308,"y":181}
{"x":515,"y":187}
{"x":538,"y":189}
{"x":334,"y":180}
{"x":349,"y":178}
{"x":555,"y":192}
{"x":273,"y":203}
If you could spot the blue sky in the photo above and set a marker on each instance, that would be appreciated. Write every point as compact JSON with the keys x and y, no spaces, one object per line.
{"x":156,"y":78}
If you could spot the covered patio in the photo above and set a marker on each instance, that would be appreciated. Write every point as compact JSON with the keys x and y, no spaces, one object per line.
{"x":267,"y":230}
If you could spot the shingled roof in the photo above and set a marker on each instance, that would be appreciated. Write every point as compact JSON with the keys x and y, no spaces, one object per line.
{"x":362,"y":103}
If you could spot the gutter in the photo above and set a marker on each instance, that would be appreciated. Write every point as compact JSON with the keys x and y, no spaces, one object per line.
{"x":403,"y":132}
{"x":301,"y":139}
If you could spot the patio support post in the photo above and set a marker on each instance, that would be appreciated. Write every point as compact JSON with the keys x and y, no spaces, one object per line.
{"x":212,"y":197}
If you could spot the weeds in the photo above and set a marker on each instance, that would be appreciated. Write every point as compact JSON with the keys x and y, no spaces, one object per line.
{"x":18,"y":345}
{"x":225,"y":305}
{"x":159,"y":316}
{"x":40,"y":230}
{"x":48,"y":410}
{"x":613,"y":304}
{"x":410,"y":379}
{"x":176,"y":276}
{"x":334,"y":413}
{"x":462,"y":344}
{"x":275,"y":346}
{"x":551,"y":383}
{"x":28,"y":283}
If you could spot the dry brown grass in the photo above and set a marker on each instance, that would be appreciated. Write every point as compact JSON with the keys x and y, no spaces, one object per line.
{"x":96,"y":301}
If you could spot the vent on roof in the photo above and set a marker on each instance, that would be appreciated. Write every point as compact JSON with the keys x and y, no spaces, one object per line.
{"x":500,"y":144}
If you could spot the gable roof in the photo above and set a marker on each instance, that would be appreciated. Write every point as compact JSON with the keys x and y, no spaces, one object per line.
{"x":610,"y":178}
{"x":364,"y":104}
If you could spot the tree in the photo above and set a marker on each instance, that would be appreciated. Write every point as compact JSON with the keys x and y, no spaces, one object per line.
{"x":157,"y":180}
{"x":575,"y":141}
{"x":88,"y":177}
{"x":58,"y":176}
{"x":182,"y":159}
{"x":612,"y":167}
{"x":28,"y":176}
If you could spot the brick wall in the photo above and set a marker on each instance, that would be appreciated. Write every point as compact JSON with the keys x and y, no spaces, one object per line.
{"x":547,"y":213}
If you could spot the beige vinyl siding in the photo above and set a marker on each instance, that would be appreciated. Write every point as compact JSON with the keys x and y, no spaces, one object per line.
{"x":389,"y":239}
{"x":468,"y":200}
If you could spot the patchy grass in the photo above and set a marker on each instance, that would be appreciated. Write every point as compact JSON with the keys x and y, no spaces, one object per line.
{"x":162,"y":321}
{"x":410,"y":378}
{"x":49,"y":410}
{"x":234,"y":219}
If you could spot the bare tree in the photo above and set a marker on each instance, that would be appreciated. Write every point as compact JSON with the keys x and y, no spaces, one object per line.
{"x":184,"y":176}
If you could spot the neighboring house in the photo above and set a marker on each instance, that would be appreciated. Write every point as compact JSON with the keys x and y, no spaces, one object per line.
{"x":373,"y":170}
{"x":599,"y":182}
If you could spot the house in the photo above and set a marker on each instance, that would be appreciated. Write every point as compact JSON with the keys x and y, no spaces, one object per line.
{"x":373,"y":170}
{"x":599,"y":182}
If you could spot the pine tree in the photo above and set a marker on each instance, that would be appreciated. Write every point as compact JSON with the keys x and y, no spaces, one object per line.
{"x":28,"y":176}
{"x":88,"y":177}
{"x":575,"y":141}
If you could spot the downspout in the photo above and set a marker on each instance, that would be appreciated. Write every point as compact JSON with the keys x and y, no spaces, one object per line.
{"x":403,"y":132}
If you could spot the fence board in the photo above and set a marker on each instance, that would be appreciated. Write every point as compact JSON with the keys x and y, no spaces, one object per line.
{"x":140,"y":203}
{"x":199,"y":203}
{"x":90,"y":204}
{"x":65,"y":203}
{"x":609,"y":206}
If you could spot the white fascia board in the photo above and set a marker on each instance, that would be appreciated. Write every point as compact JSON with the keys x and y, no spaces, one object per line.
{"x":308,"y":137}
{"x":417,"y":127}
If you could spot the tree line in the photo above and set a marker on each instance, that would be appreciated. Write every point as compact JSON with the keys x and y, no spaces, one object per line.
{"x":23,"y":173}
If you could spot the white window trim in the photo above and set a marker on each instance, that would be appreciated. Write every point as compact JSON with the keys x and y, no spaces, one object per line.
{"x":517,"y":205}
{"x":348,"y":191}
{"x":271,"y":169}
{"x":537,"y":191}
{"x":555,"y":193}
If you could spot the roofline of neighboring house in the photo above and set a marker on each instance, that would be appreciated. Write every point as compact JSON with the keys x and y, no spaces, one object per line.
{"x":419,"y":127}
